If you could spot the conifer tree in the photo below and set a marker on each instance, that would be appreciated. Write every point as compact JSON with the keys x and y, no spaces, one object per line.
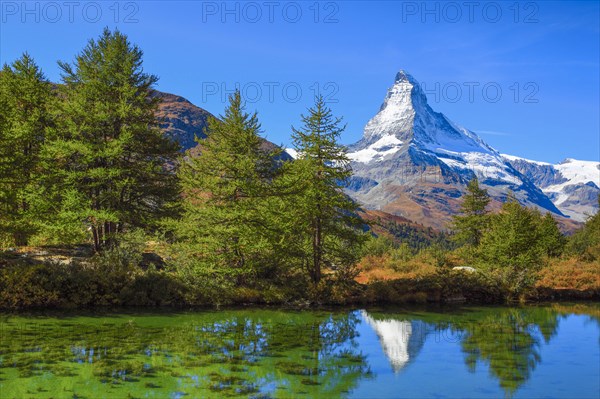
{"x":106,"y":162}
{"x":510,"y":248}
{"x":326,"y":230}
{"x":25,"y":100}
{"x":470,"y":225}
{"x":226,"y":194}
{"x":551,"y":240}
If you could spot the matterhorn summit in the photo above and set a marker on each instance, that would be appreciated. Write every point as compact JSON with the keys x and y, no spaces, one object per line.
{"x":398,"y":111}
{"x":405,"y":116}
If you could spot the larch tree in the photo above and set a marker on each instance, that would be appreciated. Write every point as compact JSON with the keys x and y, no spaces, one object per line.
{"x":226,"y":192}
{"x":25,"y":101}
{"x":473,"y":219}
{"x":510,"y":249}
{"x":326,"y":230}
{"x":551,"y":240}
{"x":107,"y":163}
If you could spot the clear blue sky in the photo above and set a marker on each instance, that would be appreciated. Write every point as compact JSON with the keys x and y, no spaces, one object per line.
{"x":544,"y":57}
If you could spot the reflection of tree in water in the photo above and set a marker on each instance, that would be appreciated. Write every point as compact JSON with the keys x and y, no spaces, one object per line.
{"x":508,"y":340}
{"x":229,"y":353}
{"x":320,"y":353}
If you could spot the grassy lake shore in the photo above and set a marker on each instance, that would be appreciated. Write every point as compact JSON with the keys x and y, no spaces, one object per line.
{"x":71,"y":277}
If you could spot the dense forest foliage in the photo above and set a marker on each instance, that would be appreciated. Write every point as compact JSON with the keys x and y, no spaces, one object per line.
{"x":87,"y":176}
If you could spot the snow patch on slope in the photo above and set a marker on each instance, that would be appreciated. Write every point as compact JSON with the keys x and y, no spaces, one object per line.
{"x":386,"y":145}
{"x":484,"y":166}
{"x":465,"y":141}
{"x":576,"y":172}
{"x":579,"y":171}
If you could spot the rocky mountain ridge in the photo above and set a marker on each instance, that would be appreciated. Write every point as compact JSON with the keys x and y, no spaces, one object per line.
{"x":572,"y":185}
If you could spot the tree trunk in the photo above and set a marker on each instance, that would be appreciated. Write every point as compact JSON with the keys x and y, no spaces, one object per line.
{"x":317,"y":250}
{"x":96,"y":238}
{"x":20,"y":239}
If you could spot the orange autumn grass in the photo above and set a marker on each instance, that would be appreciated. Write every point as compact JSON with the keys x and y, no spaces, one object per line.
{"x":378,"y":268}
{"x":559,"y":274}
{"x":570,"y":274}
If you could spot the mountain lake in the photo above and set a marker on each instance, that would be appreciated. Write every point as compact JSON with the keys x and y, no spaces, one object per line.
{"x":545,"y":351}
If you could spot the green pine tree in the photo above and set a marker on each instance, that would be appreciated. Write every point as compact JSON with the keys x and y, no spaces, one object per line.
{"x":510,"y":249}
{"x":326,"y":231}
{"x":107,"y":164}
{"x":551,"y":240}
{"x":25,"y":100}
{"x":473,"y":219}
{"x":225,"y":225}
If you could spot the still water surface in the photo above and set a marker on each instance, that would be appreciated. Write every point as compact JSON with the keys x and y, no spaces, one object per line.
{"x":527,"y":352}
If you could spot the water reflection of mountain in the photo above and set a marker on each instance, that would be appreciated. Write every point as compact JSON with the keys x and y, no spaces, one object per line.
{"x":507,"y":340}
{"x":401,"y":340}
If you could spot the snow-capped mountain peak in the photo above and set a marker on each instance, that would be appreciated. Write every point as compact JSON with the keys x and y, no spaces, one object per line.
{"x":415,"y":162}
{"x":405,"y":117}
{"x":398,"y":110}
{"x":405,"y":120}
